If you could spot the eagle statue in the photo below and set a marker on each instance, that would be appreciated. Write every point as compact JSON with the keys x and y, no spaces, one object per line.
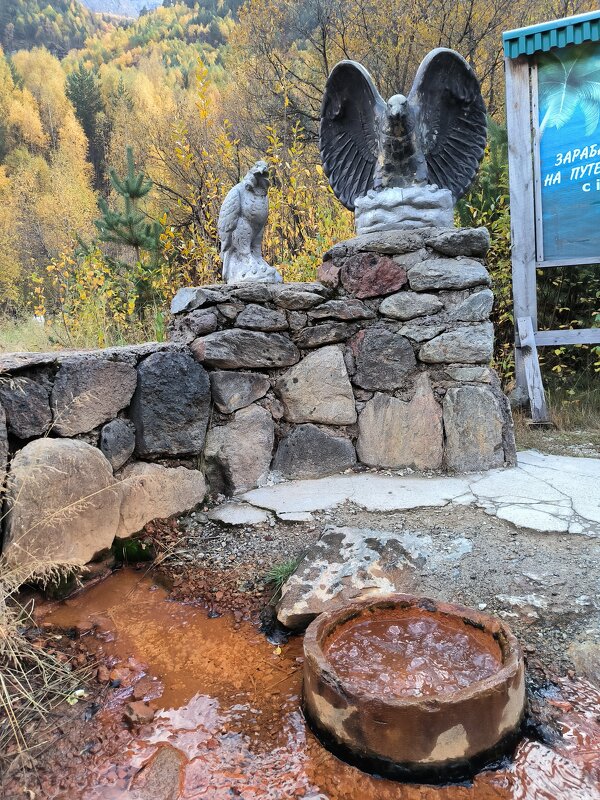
{"x":405,"y":162}
{"x":241,"y":225}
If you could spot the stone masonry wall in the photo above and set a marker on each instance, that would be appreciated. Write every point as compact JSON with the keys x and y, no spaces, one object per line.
{"x":385,"y":362}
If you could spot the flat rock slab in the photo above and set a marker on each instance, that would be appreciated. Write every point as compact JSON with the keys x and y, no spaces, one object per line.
{"x":237,"y":514}
{"x":545,"y":493}
{"x":348,"y":564}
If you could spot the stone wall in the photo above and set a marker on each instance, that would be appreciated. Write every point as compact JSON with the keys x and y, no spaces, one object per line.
{"x":385,"y":362}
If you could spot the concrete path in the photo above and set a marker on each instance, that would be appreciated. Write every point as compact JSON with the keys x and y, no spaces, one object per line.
{"x":543,"y":493}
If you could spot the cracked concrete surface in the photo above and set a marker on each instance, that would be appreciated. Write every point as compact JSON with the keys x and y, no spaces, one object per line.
{"x":546,"y":493}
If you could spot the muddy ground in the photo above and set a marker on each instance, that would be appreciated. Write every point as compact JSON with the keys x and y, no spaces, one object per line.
{"x":546,"y":586}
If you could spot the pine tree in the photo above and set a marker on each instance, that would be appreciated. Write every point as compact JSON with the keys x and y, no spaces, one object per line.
{"x":129,"y":226}
{"x":83,"y":90}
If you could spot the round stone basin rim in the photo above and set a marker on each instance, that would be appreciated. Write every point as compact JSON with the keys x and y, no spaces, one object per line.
{"x":318,"y":632}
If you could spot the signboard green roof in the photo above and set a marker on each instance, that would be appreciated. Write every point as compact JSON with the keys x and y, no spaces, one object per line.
{"x":558,"y":33}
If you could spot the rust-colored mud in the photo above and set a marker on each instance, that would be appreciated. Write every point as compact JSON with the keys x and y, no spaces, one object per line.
{"x":228,"y":723}
{"x":411,"y":654}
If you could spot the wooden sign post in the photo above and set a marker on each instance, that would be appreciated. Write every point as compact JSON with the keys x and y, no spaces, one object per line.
{"x":553,"y":122}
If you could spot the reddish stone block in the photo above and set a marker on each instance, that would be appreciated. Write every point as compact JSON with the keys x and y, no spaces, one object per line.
{"x":372,"y":275}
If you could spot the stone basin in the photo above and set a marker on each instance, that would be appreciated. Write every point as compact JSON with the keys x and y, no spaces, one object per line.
{"x":412,"y":688}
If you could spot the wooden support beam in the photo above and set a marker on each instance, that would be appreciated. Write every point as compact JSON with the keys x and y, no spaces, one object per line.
{"x":522,"y":204}
{"x":535,"y":386}
{"x":578,"y":336}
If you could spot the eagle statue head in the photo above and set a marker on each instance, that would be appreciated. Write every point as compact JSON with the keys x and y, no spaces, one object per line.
{"x":257,"y":178}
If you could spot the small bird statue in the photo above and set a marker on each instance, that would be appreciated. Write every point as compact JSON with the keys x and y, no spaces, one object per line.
{"x":241,"y":225}
{"x":433,"y":138}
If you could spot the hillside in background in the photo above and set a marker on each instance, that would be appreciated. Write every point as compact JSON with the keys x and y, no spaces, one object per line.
{"x":122,"y":8}
{"x":59,"y":26}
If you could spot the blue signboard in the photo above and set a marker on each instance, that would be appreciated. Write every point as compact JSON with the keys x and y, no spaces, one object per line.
{"x":569,"y":150}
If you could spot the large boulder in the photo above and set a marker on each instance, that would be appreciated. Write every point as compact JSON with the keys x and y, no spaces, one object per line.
{"x":233,"y":390}
{"x":383,"y":359}
{"x":237,"y":456}
{"x":473,"y":422}
{"x":151,"y":491}
{"x":318,"y":389}
{"x":88,"y":392}
{"x":117,"y":441}
{"x":313,"y":452}
{"x":63,"y":503}
{"x":242,"y":349}
{"x":394,"y":433}
{"x":345,"y":564}
{"x":27,"y":405}
{"x":468,"y":345}
{"x":171,"y":405}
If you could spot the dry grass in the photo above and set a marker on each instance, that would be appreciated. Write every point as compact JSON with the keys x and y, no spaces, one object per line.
{"x":576,"y":420}
{"x":32,"y":681}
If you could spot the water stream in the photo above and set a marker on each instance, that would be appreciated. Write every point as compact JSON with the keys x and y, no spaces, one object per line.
{"x":229,"y":724}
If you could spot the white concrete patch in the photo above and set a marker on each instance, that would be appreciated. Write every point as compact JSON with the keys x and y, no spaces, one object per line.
{"x":530,"y":517}
{"x":237,"y":514}
{"x":550,"y":494}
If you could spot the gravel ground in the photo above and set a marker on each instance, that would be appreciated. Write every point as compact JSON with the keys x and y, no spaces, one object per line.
{"x":547,"y":586}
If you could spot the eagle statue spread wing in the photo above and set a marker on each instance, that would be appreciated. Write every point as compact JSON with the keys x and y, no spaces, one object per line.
{"x":436,"y":136}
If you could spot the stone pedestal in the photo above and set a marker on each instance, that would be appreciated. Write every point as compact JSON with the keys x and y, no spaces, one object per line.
{"x":385,"y":361}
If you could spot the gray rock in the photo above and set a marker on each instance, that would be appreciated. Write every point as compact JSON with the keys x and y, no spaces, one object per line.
{"x":422,"y":331}
{"x":235,"y":514}
{"x":63,"y":500}
{"x":468,"y":374}
{"x":473,"y":424}
{"x":240,"y":349}
{"x":260,"y":318}
{"x":345,"y":310}
{"x":233,"y":390}
{"x":151,"y":491}
{"x":407,"y":305}
{"x":187,"y":327}
{"x":27,"y":405}
{"x":476,"y":308}
{"x":117,"y":441}
{"x":312,"y":452}
{"x":230,"y":310}
{"x":3,"y":446}
{"x":326,"y":333}
{"x":345,"y":564}
{"x":383,"y":359}
{"x":349,"y":564}
{"x":237,"y":456}
{"x":189,"y":298}
{"x":447,"y":273}
{"x":318,"y":389}
{"x":171,"y":405}
{"x":252,"y":292}
{"x":394,"y":433}
{"x":88,"y":392}
{"x":385,"y":242}
{"x":585,"y":656}
{"x":460,"y":242}
{"x":297,"y":320}
{"x":469,"y":345}
{"x":296,"y":299}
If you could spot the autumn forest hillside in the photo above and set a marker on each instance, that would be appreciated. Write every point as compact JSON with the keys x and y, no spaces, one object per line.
{"x":195,"y":92}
